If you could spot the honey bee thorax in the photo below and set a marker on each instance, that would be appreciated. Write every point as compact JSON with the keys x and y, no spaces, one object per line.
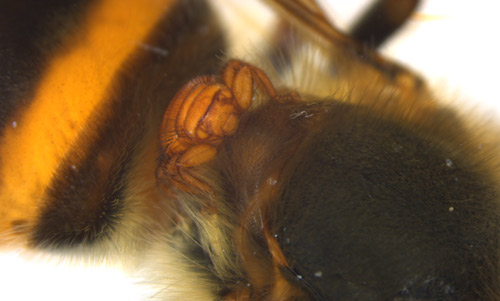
{"x":344,"y":187}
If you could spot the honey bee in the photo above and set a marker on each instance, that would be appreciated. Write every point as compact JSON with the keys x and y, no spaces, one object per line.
{"x":278,"y":160}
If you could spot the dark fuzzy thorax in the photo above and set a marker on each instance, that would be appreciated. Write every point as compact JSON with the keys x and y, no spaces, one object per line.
{"x":369,"y":208}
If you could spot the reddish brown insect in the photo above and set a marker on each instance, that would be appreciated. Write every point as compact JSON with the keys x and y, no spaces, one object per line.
{"x":201,"y":114}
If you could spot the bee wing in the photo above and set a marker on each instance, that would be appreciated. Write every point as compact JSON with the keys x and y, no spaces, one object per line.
{"x":345,"y":53}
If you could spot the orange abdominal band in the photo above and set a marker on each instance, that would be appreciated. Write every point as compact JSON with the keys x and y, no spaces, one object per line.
{"x":74,"y":86}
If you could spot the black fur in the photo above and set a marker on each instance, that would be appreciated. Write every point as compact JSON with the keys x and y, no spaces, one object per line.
{"x":376,"y":210}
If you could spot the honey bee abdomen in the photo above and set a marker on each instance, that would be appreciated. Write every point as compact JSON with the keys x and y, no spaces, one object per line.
{"x":79,"y":158}
{"x":376,"y":210}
